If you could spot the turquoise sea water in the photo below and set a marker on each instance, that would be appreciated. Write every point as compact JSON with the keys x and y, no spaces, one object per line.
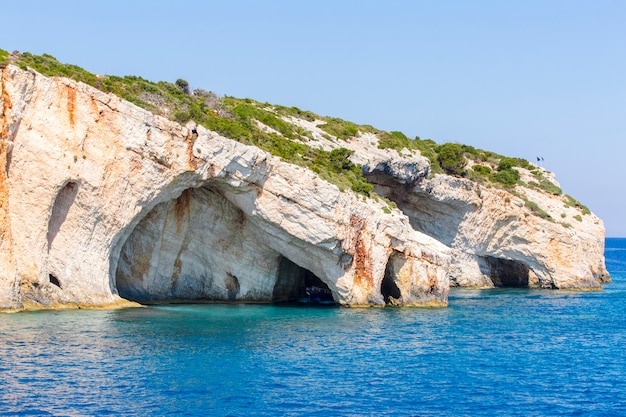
{"x":491,"y":352}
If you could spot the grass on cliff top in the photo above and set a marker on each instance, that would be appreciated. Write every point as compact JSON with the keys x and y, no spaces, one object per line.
{"x":260,"y":124}
{"x":231,"y":117}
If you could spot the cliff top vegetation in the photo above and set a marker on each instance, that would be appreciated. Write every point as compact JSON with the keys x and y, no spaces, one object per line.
{"x":267,"y":126}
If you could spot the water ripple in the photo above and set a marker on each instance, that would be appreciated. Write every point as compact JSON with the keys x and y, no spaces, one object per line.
{"x":497,"y":352}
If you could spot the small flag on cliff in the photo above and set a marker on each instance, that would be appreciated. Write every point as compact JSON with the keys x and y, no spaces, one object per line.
{"x":540,"y":160}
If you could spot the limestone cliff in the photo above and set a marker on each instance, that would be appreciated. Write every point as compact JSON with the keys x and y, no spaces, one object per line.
{"x":520,"y":237}
{"x":102,"y":201}
{"x":99,"y":198}
{"x":497,"y":239}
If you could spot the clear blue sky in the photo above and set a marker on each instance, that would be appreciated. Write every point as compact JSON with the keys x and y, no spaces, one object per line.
{"x":521,"y":78}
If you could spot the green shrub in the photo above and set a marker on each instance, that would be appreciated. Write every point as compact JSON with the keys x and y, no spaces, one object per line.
{"x":451,"y":159}
{"x":522,"y":163}
{"x":399,"y":141}
{"x":296,"y":112}
{"x":247,"y":112}
{"x":339,"y":128}
{"x":550,"y":187}
{"x":572,"y":202}
{"x":578,"y":217}
{"x":471,"y":152}
{"x":339,"y":159}
{"x":362,"y":187}
{"x":534,"y":207}
{"x":394,"y":140}
{"x":545,"y":184}
{"x":507,"y":177}
{"x":479,"y":155}
{"x":49,"y":66}
{"x":482,"y":169}
{"x":183,"y":85}
{"x":506,"y":164}
{"x":235,"y":118}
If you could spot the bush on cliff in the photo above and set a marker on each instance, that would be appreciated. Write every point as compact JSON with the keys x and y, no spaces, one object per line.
{"x":481,"y":170}
{"x":339,"y":159}
{"x":296,"y":112}
{"x":451,"y":158}
{"x":394,"y":140}
{"x":339,"y":128}
{"x":239,"y":119}
{"x":183,"y":84}
{"x":507,"y":177}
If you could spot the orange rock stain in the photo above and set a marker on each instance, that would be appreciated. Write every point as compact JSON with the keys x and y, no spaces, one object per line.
{"x":71,"y":105}
{"x":362,"y":257}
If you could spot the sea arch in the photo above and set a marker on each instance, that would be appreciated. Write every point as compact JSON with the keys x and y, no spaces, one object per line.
{"x":202,"y":245}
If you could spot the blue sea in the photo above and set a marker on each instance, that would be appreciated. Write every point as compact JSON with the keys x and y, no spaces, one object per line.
{"x":498,"y":352}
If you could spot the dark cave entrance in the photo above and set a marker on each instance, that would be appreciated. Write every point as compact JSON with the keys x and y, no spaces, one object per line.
{"x":54,"y":280}
{"x":295,"y":284}
{"x":507,"y":272}
{"x":388,"y":287}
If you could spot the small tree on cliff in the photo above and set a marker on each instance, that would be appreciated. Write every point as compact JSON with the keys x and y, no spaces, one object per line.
{"x":450,"y":157}
{"x":183,"y":84}
{"x":506,"y":175}
{"x":339,"y":159}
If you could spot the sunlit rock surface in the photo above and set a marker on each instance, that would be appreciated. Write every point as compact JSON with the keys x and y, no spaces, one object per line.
{"x":101,"y":199}
{"x":496,"y":239}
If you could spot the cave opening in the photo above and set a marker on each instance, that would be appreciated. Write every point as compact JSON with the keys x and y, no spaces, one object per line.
{"x":201,"y":247}
{"x":54,"y":280}
{"x":295,"y":284}
{"x":507,"y":272}
{"x":388,"y":287}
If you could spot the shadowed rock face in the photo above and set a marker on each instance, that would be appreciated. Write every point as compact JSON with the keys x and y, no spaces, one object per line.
{"x":292,"y":282}
{"x":389,"y":288}
{"x":102,"y":199}
{"x":506,"y":273}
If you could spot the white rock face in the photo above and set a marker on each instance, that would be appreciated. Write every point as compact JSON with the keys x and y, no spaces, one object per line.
{"x":103,"y":202}
{"x":496,"y":239}
{"x":99,"y":198}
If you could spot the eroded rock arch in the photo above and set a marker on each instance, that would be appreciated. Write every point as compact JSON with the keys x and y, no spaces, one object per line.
{"x":202,"y":246}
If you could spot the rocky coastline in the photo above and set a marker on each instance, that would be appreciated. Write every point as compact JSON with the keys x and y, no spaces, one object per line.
{"x":102,"y":202}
